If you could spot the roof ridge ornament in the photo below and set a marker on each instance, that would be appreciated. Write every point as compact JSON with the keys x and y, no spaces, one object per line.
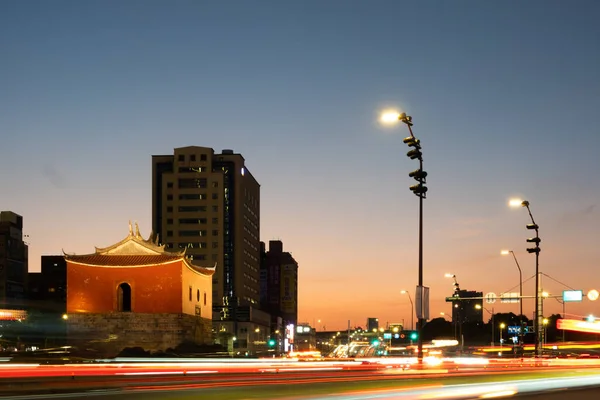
{"x":137,"y":231}
{"x":130,"y":229}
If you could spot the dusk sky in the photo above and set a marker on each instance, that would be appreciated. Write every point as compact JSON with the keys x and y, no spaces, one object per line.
{"x":504,"y":97}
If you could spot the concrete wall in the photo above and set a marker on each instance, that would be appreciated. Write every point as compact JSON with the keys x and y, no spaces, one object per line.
{"x":112,"y":332}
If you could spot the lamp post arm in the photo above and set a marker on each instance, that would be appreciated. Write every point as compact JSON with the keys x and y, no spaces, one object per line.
{"x":530,"y":214}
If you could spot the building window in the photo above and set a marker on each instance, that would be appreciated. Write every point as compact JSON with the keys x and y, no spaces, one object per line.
{"x":215,"y":184}
{"x":192,"y":196}
{"x":181,"y":157}
{"x":215,"y":257}
{"x":169,"y":209}
{"x":215,"y":245}
{"x":204,"y":298}
{"x":192,"y":183}
{"x":215,"y":232}
{"x":192,"y":209}
{"x":169,"y":233}
{"x":169,"y":197}
{"x":198,"y":295}
{"x":215,"y":196}
{"x":193,"y":157}
{"x":124,"y":297}
{"x":215,"y":208}
{"x":170,"y":185}
{"x":215,"y":220}
{"x":192,"y":233}
{"x":169,"y":221}
{"x":190,"y":293}
{"x":192,"y":221}
{"x":202,"y":157}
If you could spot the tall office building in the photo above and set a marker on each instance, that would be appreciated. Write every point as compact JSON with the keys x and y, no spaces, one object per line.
{"x":465,"y":311}
{"x":48,"y":288}
{"x":13,"y":261}
{"x":209,"y":203}
{"x":279,"y":284}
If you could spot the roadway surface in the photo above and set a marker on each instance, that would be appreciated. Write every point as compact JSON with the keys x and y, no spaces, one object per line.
{"x":307,"y":380}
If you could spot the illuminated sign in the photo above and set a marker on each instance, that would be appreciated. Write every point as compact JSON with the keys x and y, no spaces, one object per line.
{"x":579,"y":326}
{"x":572,"y":295}
{"x":387,"y":335}
{"x":12,"y":315}
{"x":593,"y":295}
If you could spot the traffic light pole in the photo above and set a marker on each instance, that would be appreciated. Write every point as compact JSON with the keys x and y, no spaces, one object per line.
{"x":420,"y":191}
{"x":538,"y":299}
{"x":420,"y":321}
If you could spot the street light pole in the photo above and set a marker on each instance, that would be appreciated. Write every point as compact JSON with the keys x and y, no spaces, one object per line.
{"x":479,"y":307}
{"x":419,"y":190}
{"x":520,"y":296}
{"x":538,"y":298}
{"x":412,"y":309}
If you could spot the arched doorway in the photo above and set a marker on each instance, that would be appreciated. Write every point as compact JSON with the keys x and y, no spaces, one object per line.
{"x":124,"y":297}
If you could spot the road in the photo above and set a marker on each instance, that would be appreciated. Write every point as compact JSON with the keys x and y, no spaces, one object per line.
{"x":317,"y":381}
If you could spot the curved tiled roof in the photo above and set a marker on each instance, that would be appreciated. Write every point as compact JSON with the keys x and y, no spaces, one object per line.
{"x":123,"y":260}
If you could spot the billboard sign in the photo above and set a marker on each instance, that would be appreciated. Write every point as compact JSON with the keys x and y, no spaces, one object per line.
{"x":572,"y":295}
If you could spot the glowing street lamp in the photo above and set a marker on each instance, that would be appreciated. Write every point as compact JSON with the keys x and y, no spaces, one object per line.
{"x":536,"y":250}
{"x":412,"y":309}
{"x":389,"y":117}
{"x":502,"y":326}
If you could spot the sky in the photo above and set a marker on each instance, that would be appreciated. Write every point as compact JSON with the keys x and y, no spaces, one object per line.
{"x":503,"y":95}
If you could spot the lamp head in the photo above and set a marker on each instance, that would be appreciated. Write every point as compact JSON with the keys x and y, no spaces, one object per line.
{"x":518,"y":203}
{"x":390,"y":117}
{"x":505,"y":252}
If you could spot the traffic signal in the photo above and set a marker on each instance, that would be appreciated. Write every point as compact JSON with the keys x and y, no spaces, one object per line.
{"x":419,"y":175}
{"x":419,"y":189}
{"x":535,"y":240}
{"x":416,"y":152}
{"x":414,"y":336}
{"x":272,"y":342}
{"x":375,"y":342}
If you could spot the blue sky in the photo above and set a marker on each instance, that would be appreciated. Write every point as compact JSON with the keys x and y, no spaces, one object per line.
{"x":504,"y":97}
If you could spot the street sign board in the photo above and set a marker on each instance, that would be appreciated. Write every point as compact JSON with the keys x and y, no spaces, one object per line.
{"x":516,"y":329}
{"x":509,"y":297}
{"x":572,"y":295}
{"x":490,"y":298}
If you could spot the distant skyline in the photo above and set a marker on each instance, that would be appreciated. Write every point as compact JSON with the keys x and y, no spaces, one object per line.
{"x":503,"y":95}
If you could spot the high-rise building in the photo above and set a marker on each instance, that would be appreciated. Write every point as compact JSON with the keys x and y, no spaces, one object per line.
{"x":48,"y":288}
{"x":372,"y":324}
{"x":466,"y":311}
{"x":279,"y":284}
{"x":209,"y":204}
{"x":13,"y":261}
